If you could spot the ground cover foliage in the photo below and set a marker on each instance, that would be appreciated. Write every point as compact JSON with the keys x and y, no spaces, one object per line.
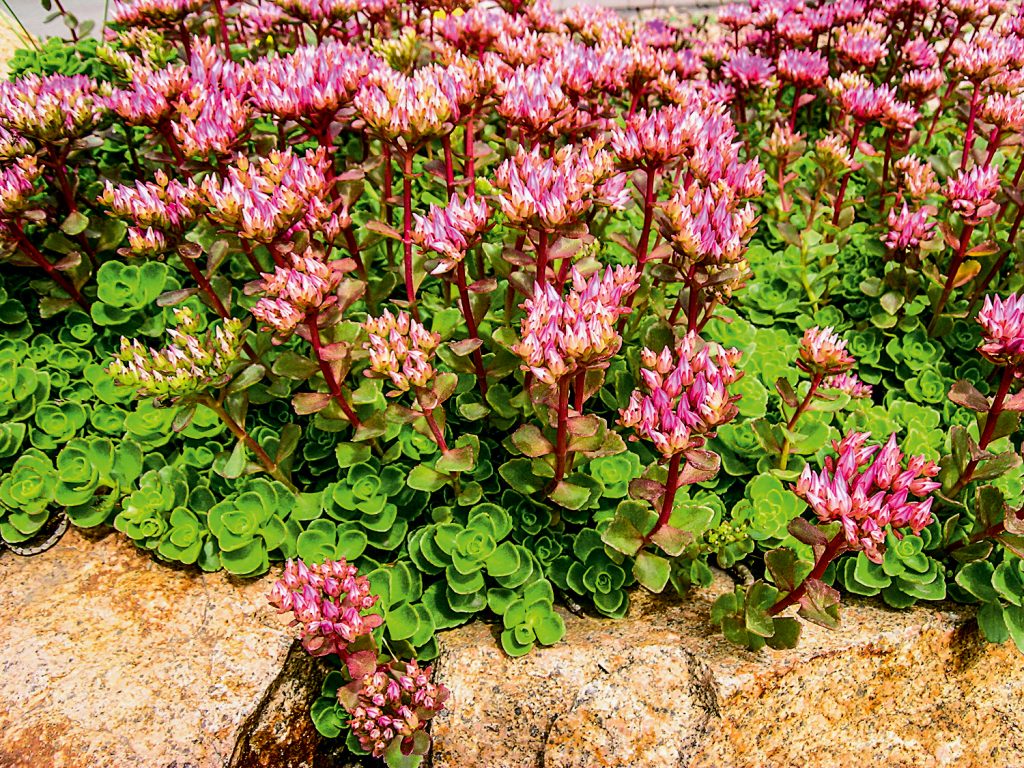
{"x":511,"y":308}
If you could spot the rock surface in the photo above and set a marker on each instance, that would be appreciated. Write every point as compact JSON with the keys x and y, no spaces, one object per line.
{"x":912,"y":689}
{"x":110,"y":659}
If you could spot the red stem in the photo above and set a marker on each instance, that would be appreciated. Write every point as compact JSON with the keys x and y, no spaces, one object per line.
{"x":954,"y":267}
{"x":449,"y":168}
{"x":994,"y":411}
{"x":668,"y":500}
{"x":41,"y":261}
{"x":204,"y":285}
{"x":469,"y":149}
{"x":561,"y":446}
{"x":854,"y":140}
{"x":969,"y":133}
{"x":542,"y":257}
{"x":812,"y":390}
{"x":328,"y":372}
{"x":835,"y":547}
{"x":410,"y":287}
{"x":467,"y":310}
{"x":435,"y":430}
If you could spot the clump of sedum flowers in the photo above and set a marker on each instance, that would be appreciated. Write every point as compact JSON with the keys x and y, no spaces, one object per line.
{"x":511,"y":308}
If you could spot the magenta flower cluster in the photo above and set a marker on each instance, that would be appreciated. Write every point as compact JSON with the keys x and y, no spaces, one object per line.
{"x":869,"y":489}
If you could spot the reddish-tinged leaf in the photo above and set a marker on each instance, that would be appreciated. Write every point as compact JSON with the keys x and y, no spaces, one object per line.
{"x":465,"y":346}
{"x":531,"y":442}
{"x":804,"y":531}
{"x":964,"y":393}
{"x":820,"y":604}
{"x":786,"y":392}
{"x":967,"y":272}
{"x":306,"y":403}
{"x":672,"y":540}
{"x":383,"y":229}
{"x":584,"y":426}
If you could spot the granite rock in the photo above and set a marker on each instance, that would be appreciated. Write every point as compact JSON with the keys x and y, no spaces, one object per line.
{"x":903,"y":689}
{"x":112,"y":659}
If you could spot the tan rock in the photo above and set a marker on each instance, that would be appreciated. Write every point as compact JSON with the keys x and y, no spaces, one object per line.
{"x":912,"y":689}
{"x":111,"y":659}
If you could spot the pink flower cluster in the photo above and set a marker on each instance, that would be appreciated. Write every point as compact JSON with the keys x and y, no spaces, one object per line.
{"x":909,"y":229}
{"x":328,"y":602}
{"x":291,"y":294}
{"x":688,"y":395}
{"x":451,"y":231}
{"x":412,"y":108}
{"x":972,"y":193}
{"x":401,"y":350}
{"x":867,"y":488}
{"x":263,"y":199}
{"x":563,"y":334}
{"x":551,"y":193}
{"x":1002,"y":327}
{"x":52,"y":108}
{"x":157,"y":209}
{"x":18,"y":185}
{"x":823,"y":352}
{"x":394,"y":702}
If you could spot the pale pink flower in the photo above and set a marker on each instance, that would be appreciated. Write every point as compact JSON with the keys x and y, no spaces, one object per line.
{"x":687,"y":395}
{"x":452,"y":230}
{"x":804,"y":69}
{"x":290,"y":294}
{"x":1002,"y":327}
{"x":850,"y":384}
{"x":263,"y":199}
{"x":328,"y":602}
{"x":748,"y":70}
{"x":401,"y":350}
{"x":916,"y":177}
{"x":394,"y":702}
{"x":909,"y":229}
{"x":558,"y":191}
{"x":822,"y":351}
{"x":972,"y":193}
{"x":51,"y":108}
{"x":312,"y":82}
{"x":562,"y":334}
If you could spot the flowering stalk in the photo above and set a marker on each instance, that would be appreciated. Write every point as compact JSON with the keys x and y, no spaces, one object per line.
{"x":866,"y":489}
{"x":410,"y":288}
{"x":240,"y":433}
{"x":969,"y":131}
{"x":854,"y":141}
{"x":328,"y":372}
{"x":44,"y":264}
{"x":836,"y":546}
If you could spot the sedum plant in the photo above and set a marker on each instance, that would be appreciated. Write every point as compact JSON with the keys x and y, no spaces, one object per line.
{"x":513,"y":309}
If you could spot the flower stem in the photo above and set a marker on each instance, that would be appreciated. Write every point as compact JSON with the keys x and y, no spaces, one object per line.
{"x":811,"y":392}
{"x":542,"y":257}
{"x":994,"y":412}
{"x":969,"y":132}
{"x":328,"y":372}
{"x":668,"y":500}
{"x":954,"y":268}
{"x":835,"y":547}
{"x":240,"y":433}
{"x":435,"y":430}
{"x":467,"y":310}
{"x":854,"y":141}
{"x":561,"y":445}
{"x":43,"y":263}
{"x":410,"y":287}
